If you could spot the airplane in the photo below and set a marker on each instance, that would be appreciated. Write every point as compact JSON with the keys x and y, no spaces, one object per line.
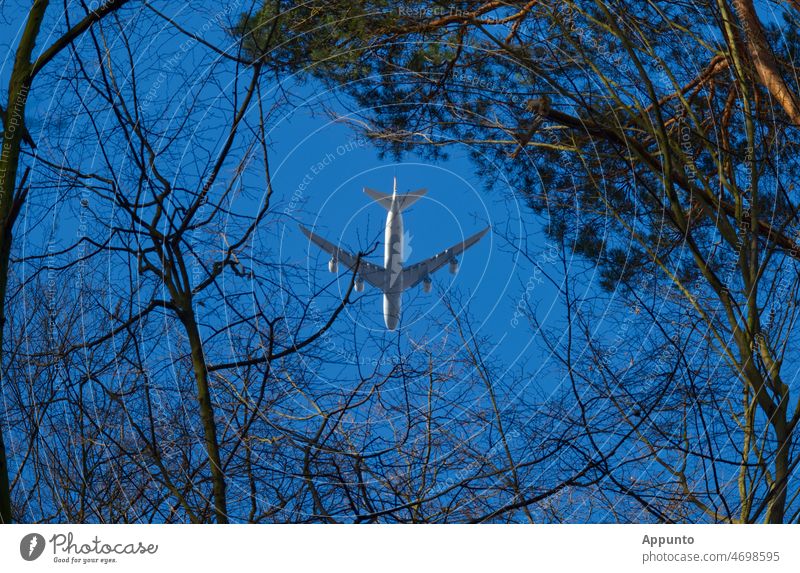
{"x":393,"y":278}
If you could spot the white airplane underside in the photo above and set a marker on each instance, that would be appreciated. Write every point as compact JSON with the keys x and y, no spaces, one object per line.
{"x":393,"y":278}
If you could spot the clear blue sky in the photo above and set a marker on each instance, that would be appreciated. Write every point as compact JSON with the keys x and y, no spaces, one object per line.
{"x":335,"y":166}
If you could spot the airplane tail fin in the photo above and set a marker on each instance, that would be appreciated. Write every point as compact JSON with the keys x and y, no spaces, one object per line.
{"x":403,"y":201}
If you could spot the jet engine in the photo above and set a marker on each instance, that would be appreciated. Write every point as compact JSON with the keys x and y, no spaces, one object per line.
{"x":359,"y":284}
{"x":427,"y":284}
{"x":453,"y":266}
{"x":333,"y":265}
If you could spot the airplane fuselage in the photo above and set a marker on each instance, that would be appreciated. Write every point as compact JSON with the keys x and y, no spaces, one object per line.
{"x":393,"y":262}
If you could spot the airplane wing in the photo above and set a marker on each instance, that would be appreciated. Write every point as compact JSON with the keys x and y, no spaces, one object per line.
{"x":414,"y":274}
{"x":371,"y":273}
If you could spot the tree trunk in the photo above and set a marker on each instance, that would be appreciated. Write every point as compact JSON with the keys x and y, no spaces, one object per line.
{"x":206,"y":414}
{"x":764,"y":61}
{"x":776,"y":508}
{"x":14,"y":126}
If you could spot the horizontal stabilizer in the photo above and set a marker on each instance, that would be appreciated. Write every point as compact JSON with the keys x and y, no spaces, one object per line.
{"x":405,"y":201}
{"x":382,"y":198}
{"x":401,"y":202}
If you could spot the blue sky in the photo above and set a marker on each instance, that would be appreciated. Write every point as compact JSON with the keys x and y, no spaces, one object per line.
{"x":306,"y":145}
{"x":492,"y":278}
{"x":335,"y":164}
